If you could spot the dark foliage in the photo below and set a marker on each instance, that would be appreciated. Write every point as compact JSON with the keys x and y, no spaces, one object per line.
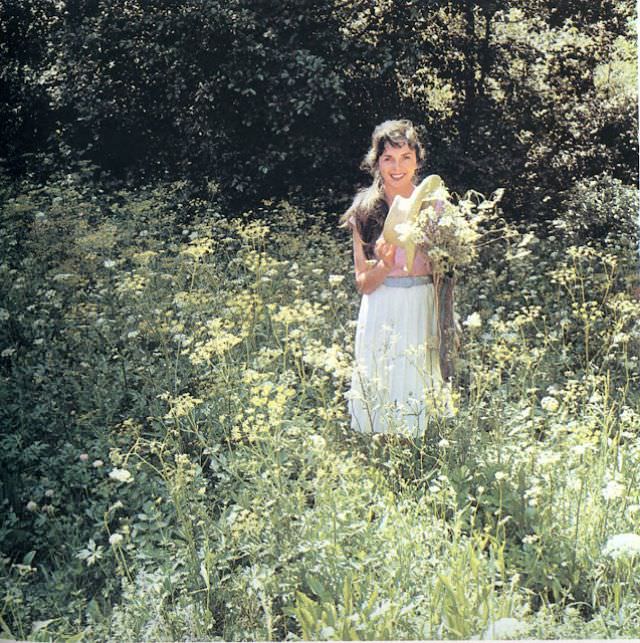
{"x":278,"y":98}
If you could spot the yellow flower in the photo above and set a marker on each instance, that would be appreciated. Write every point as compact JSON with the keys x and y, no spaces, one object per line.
{"x":198,"y":248}
{"x":182,"y":405}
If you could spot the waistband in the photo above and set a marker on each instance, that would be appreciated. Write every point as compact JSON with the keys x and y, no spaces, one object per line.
{"x":407,"y":282}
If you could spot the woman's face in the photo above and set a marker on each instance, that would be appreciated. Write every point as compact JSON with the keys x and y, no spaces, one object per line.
{"x":397,"y":167}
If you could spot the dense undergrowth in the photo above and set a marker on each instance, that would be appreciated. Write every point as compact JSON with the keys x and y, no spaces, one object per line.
{"x":176,"y":461}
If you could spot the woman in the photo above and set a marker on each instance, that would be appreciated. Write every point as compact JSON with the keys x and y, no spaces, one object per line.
{"x":396,"y":381}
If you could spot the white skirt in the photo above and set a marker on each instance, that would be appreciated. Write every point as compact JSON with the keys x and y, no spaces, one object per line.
{"x":396,"y":383}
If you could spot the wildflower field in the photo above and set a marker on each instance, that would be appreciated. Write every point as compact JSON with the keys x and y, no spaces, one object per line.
{"x":176,"y":460}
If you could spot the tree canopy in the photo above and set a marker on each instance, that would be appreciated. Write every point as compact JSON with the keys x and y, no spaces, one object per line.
{"x":270,"y":98}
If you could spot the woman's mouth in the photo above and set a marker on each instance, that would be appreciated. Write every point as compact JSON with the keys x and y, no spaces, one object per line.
{"x":397,"y":177}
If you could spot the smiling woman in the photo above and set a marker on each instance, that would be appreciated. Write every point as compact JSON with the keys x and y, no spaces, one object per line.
{"x":397,"y":383}
{"x":397,"y":167}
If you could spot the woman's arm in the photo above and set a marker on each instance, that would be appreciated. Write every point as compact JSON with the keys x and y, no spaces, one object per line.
{"x":369,"y":278}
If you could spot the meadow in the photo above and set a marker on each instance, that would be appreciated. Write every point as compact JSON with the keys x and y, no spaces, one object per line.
{"x":176,"y":461}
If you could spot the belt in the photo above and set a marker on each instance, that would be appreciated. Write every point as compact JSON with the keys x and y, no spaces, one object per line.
{"x":407,"y":282}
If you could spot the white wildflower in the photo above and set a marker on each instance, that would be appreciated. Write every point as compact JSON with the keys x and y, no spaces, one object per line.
{"x":32,"y":506}
{"x":115,"y":539}
{"x":580,"y":449}
{"x":620,"y":338}
{"x":504,"y":628}
{"x":549,"y":403}
{"x":613,"y":490}
{"x":109,"y":263}
{"x":473,"y":321}
{"x":318,"y":442}
{"x":628,"y":415}
{"x":121,"y":475}
{"x":408,"y":232}
{"x":335,"y":280}
{"x":622,"y":545}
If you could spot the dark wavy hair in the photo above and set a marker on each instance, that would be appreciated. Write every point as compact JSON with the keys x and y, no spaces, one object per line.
{"x":395,"y":133}
{"x":369,"y":208}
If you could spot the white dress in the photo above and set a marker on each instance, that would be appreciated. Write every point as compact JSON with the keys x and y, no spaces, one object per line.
{"x":397,"y":383}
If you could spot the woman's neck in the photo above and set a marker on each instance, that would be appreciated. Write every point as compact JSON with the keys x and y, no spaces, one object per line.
{"x":390,"y":195}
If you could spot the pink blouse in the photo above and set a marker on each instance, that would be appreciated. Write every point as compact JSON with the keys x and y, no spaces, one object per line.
{"x":421,"y":264}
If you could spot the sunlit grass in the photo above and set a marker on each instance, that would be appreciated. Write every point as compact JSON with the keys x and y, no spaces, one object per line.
{"x":179,"y":463}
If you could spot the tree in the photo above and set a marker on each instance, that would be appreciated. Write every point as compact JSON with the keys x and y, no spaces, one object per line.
{"x":273,"y":98}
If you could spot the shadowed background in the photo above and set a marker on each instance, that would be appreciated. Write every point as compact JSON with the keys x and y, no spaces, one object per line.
{"x":264,"y":99}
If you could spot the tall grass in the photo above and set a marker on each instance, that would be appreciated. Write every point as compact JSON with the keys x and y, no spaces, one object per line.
{"x":177,"y":461}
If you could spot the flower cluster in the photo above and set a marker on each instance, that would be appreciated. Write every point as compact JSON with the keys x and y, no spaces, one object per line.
{"x":622,"y":545}
{"x":447,"y":231}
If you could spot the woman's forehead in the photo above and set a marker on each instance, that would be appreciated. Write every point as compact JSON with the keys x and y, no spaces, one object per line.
{"x":391,"y":148}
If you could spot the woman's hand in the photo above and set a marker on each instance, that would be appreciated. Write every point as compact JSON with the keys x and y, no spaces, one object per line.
{"x":369,"y":277}
{"x":386,"y":252}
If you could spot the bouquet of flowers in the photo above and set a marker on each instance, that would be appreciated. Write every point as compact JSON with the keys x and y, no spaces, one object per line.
{"x":448,"y":232}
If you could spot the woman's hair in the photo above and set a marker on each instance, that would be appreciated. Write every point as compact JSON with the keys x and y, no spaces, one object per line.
{"x":369,"y":209}
{"x":395,"y":133}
